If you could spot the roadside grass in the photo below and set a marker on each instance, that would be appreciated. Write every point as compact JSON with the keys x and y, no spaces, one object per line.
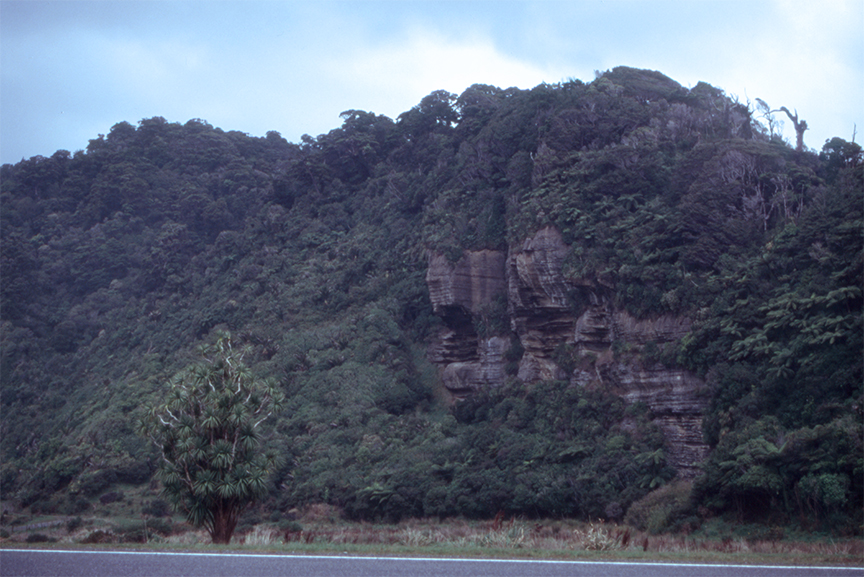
{"x":317,"y":533}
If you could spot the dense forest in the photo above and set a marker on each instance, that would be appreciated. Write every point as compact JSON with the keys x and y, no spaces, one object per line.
{"x":120,"y":259}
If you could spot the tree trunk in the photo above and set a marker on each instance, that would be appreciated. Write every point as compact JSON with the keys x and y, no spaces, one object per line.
{"x":224,"y":522}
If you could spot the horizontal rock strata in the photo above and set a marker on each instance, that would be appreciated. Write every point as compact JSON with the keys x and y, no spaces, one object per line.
{"x":551,"y":316}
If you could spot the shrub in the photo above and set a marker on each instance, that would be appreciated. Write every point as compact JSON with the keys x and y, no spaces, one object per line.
{"x":288,"y":525}
{"x":156,"y":508}
{"x":160,"y":525}
{"x":48,"y":507}
{"x":614,"y":511}
{"x":111,"y":497}
{"x":656,"y":511}
{"x":261,"y":535}
{"x":92,"y":483}
{"x":74,"y":506}
{"x":598,"y":538}
{"x":73,"y":523}
{"x":39,"y":538}
{"x":98,"y":536}
{"x":136,"y":533}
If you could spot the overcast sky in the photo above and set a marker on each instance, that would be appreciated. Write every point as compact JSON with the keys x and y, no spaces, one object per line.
{"x":71,"y":70}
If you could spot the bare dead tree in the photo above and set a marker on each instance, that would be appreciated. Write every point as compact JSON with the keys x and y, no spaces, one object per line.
{"x":800,"y":127}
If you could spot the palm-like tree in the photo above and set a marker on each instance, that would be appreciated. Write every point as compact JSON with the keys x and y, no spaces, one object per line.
{"x":208,"y":429}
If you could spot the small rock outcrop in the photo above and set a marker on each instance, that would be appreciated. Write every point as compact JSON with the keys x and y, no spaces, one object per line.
{"x":556,"y":319}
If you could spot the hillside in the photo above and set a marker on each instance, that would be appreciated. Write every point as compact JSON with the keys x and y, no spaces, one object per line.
{"x":544,"y":302}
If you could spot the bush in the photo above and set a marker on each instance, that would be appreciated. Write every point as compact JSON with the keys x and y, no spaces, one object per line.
{"x":160,"y":526}
{"x":156,"y":508}
{"x":73,"y":524}
{"x":658,"y":510}
{"x":39,"y":538}
{"x":135,"y":533}
{"x":92,"y":483}
{"x":48,"y":507}
{"x":111,"y":497}
{"x":74,"y":506}
{"x":290,"y":526}
{"x":135,"y":472}
{"x":98,"y":536}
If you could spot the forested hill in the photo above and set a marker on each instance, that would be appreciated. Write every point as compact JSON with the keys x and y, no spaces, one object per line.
{"x":649,"y":204}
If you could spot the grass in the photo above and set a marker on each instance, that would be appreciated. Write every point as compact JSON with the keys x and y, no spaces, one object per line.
{"x":319,"y":531}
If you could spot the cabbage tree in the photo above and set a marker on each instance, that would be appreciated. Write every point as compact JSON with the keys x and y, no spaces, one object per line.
{"x":208,"y":428}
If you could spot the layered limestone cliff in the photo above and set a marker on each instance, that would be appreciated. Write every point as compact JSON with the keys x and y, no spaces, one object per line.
{"x":554,"y":318}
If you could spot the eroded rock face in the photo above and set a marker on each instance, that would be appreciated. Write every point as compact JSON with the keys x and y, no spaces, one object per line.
{"x":462,"y":378}
{"x":470,"y":284}
{"x":552,"y":316}
{"x":460,"y":292}
{"x":540,"y":313}
{"x":674,"y":396}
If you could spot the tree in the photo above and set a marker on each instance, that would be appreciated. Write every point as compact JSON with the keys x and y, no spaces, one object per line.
{"x":838,"y":154}
{"x":799,"y":125}
{"x":208,"y":429}
{"x":435,"y":111}
{"x":800,"y":128}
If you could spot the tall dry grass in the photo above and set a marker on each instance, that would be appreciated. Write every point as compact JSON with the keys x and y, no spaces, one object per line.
{"x":552,"y":535}
{"x":323,"y":526}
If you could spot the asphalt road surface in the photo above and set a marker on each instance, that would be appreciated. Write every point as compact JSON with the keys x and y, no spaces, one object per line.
{"x":46,"y":563}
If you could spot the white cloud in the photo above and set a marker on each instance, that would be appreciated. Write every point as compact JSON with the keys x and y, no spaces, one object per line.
{"x":397,"y":75}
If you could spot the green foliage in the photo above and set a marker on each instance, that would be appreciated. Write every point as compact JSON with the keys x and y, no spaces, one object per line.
{"x":658,"y":510}
{"x":548,"y":450}
{"x":208,"y":430}
{"x":781,"y":348}
{"x":765,"y":470}
{"x":117,"y":259}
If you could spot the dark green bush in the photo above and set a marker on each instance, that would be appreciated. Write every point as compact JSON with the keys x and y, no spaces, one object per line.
{"x":74,"y":505}
{"x":156,"y":508}
{"x":160,"y":525}
{"x":111,"y":497}
{"x":73,"y":523}
{"x":39,"y":538}
{"x":98,"y":536}
{"x":659,"y":510}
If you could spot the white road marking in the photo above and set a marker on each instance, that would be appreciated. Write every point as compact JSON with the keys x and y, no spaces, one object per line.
{"x":447,"y":559}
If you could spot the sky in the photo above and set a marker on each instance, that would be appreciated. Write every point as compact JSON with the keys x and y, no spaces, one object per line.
{"x":70,"y":70}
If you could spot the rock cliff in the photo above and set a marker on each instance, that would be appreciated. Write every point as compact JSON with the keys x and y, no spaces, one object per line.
{"x":567,"y":330}
{"x":460,"y":292}
{"x":540,"y":313}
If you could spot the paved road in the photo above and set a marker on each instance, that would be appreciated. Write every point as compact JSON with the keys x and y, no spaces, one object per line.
{"x":48,"y":563}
